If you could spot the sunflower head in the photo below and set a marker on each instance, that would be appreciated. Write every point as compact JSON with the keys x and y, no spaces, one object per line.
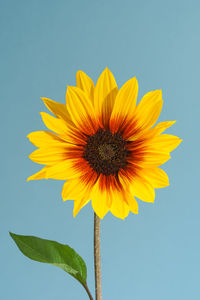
{"x":104,"y":146}
{"x":106,"y":152}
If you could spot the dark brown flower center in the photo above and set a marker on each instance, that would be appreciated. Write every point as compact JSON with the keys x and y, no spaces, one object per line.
{"x":106,"y":152}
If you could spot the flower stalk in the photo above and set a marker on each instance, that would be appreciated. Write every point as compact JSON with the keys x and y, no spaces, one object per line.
{"x":97,"y":257}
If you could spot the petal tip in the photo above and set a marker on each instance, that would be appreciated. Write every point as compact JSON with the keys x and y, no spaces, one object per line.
{"x":99,"y":215}
{"x":46,"y":100}
{"x":107,"y":70}
{"x":43,"y":114}
{"x":79,"y":72}
{"x":75,"y":212}
{"x":159,"y":91}
{"x":30,"y":178}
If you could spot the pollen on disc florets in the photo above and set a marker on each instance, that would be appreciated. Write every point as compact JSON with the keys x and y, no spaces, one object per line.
{"x":106,"y":152}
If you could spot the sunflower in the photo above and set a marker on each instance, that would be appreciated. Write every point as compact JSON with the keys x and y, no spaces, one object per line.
{"x":104,"y":145}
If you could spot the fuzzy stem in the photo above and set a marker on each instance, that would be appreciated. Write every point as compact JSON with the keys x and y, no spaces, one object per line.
{"x":97,"y":257}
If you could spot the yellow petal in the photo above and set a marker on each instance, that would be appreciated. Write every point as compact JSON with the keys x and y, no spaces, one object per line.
{"x":78,"y":205}
{"x":74,"y":189}
{"x":160,"y":127}
{"x":104,"y":96}
{"x":125,"y":104}
{"x":100,"y":201}
{"x":119,"y":207}
{"x":132,"y":203}
{"x":64,"y":170}
{"x":149,"y":133}
{"x":156,"y":177}
{"x":48,"y":156}
{"x":142,"y":189}
{"x":81,"y":110}
{"x":45,"y":138}
{"x":151,"y":158}
{"x":165,"y":142}
{"x":57,"y":125}
{"x":39,"y":175}
{"x":58,"y":109}
{"x":148,"y":110}
{"x":85,"y":83}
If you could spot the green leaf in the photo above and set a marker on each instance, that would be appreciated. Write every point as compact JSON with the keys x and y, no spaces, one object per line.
{"x":53,"y":253}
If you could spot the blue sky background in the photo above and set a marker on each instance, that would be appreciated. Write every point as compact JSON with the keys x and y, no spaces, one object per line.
{"x":156,"y":254}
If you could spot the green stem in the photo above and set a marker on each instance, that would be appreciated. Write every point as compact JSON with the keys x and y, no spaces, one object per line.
{"x":97,"y":257}
{"x":88,"y":292}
